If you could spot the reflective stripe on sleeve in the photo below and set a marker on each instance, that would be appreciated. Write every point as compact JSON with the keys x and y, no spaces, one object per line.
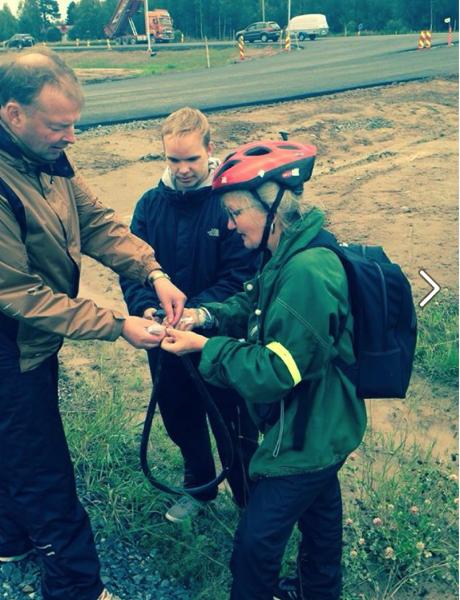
{"x":287,"y":359}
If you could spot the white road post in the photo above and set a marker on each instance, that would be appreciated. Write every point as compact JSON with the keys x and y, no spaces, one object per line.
{"x":147,"y":24}
{"x":207,"y":52}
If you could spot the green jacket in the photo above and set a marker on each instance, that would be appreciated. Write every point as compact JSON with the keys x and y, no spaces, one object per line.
{"x":284,"y":329}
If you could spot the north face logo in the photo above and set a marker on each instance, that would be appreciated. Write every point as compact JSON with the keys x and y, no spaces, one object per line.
{"x":214,"y":232}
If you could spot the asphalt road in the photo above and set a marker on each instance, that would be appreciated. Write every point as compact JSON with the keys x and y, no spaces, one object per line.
{"x":322,"y":67}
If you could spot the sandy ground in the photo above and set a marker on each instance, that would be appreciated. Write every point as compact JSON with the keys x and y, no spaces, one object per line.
{"x":386,"y":173}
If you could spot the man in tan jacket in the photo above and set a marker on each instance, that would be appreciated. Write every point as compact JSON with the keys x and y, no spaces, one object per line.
{"x":48,"y":218}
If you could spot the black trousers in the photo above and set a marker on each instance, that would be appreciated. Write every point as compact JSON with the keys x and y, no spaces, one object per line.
{"x":39,"y":507}
{"x":276,"y":504}
{"x":184,"y":418}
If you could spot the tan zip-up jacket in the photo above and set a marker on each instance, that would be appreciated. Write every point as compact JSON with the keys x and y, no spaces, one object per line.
{"x":39,"y":278}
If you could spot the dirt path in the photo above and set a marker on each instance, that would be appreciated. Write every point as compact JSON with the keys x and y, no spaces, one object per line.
{"x":386,"y":173}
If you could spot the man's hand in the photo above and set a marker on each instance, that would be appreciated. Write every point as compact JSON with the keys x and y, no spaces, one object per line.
{"x":190,"y":320}
{"x":171,"y":298}
{"x":182,"y":342}
{"x":135,"y":333}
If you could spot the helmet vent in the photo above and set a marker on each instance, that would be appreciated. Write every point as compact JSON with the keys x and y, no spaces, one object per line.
{"x":258,"y":151}
{"x":226,"y":166}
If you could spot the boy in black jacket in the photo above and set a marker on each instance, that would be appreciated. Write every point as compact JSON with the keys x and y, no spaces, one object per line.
{"x":187,"y":226}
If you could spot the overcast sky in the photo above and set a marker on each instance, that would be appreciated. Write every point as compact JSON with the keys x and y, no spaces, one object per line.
{"x":13,"y":4}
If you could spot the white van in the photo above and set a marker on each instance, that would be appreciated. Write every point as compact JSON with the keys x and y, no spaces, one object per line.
{"x":310,"y":26}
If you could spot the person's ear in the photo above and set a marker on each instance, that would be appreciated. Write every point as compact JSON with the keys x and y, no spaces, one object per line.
{"x":13,"y":112}
{"x":210,"y":148}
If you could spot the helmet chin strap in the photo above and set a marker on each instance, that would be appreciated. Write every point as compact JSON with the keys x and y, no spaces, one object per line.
{"x":271,"y":212}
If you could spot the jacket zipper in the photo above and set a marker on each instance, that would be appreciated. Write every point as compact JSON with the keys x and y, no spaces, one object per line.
{"x":276,"y":450}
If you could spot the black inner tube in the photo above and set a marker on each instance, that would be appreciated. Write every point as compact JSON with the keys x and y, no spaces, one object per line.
{"x":218,"y":427}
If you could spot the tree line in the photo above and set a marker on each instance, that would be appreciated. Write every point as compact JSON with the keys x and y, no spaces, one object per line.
{"x":221,"y":18}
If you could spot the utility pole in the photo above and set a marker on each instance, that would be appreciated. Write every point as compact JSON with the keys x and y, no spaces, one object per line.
{"x":147,"y":25}
{"x":289,"y":11}
{"x":431,"y":14}
{"x":263,"y":10}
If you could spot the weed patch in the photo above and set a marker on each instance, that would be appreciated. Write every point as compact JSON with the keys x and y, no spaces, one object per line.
{"x":437,"y":345}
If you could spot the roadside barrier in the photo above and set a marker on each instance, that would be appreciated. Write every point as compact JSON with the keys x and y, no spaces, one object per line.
{"x":88,"y":43}
{"x":424,"y":41}
{"x":449,"y":36}
{"x":109,"y":47}
{"x":241,"y":47}
{"x":287,"y":42}
{"x":182,"y":38}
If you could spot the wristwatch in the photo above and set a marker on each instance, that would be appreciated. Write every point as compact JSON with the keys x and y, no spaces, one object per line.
{"x":157,"y":274}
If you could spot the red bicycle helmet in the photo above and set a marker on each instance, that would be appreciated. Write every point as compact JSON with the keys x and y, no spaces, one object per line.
{"x":287,"y":163}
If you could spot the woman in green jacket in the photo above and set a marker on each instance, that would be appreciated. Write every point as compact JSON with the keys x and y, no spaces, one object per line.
{"x":277,"y":342}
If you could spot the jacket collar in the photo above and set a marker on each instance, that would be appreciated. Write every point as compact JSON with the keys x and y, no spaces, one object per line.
{"x":187,"y":199}
{"x":12,"y":146}
{"x":297,"y":237}
{"x":168,"y":179}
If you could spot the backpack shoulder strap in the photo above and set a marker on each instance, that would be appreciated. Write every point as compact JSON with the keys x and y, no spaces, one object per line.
{"x":16,"y":206}
{"x":325,"y":239}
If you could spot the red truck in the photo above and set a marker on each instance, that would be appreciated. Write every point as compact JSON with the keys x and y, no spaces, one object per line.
{"x":128,"y":24}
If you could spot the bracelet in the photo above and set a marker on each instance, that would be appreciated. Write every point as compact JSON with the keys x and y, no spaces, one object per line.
{"x":157,"y":274}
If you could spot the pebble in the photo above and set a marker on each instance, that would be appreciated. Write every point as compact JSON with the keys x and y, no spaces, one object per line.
{"x":130,"y":574}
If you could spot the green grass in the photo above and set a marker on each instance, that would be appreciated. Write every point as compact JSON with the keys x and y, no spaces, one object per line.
{"x":411,"y":549}
{"x":437,"y":344}
{"x":103,"y":430}
{"x":163,"y":62}
{"x":400,"y":519}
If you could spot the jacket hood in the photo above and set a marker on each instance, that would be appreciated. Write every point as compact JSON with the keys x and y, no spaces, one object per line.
{"x":168,"y":181}
{"x":297,"y":237}
{"x":12,"y":146}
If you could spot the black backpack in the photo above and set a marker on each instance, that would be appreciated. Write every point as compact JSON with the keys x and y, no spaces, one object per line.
{"x":385,"y":323}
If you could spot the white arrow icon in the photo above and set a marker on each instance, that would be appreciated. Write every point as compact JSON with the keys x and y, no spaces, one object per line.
{"x":433,"y":292}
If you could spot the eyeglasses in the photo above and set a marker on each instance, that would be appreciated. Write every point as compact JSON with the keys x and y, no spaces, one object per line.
{"x":234,"y":214}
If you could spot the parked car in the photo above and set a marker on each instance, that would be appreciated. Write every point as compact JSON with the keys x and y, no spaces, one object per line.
{"x":263,"y":30}
{"x":20,"y":40}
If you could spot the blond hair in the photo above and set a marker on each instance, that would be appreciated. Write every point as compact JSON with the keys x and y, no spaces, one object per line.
{"x":187,"y":120}
{"x":290,"y":210}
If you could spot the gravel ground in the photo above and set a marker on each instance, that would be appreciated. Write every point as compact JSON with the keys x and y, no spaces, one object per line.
{"x":125,"y":571}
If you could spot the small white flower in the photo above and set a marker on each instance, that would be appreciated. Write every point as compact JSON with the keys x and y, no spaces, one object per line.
{"x":389,"y":553}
